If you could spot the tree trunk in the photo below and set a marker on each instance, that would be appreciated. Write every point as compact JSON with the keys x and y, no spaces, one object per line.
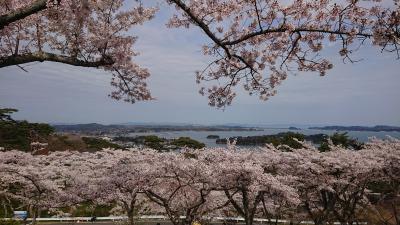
{"x":131,"y":219}
{"x":318,"y":221}
{"x":33,"y":214}
{"x":395,"y":214}
{"x":248,"y":221}
{"x":5,"y":209}
{"x":187,"y":221}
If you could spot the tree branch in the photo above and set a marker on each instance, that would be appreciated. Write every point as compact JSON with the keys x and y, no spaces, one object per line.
{"x":281,"y":29}
{"x":45,"y":56}
{"x":202,"y":25}
{"x":22,"y":13}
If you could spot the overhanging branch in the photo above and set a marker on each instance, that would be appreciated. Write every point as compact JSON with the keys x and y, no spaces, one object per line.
{"x":44,"y":56}
{"x":298,"y":30}
{"x":202,"y":25}
{"x":22,"y":13}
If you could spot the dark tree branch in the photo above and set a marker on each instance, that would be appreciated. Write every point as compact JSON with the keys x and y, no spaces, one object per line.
{"x":22,"y":13}
{"x":202,"y":25}
{"x":234,"y":203}
{"x":281,"y":29}
{"x":45,"y":56}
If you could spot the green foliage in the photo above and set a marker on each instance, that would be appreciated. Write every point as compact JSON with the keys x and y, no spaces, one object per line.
{"x":152,"y":138}
{"x":290,"y":139}
{"x":187,"y":142}
{"x":162,"y":144}
{"x":344,"y":140}
{"x":340,"y":139}
{"x":5,"y":114}
{"x":324,"y":147}
{"x":95,"y":144}
{"x":5,"y":212}
{"x":19,"y":134}
{"x":154,"y":142}
{"x":9,"y":222}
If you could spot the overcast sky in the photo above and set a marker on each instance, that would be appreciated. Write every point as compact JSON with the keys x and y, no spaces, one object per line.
{"x":365,"y":93}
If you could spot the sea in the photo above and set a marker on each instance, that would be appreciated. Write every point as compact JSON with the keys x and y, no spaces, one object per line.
{"x":201,"y":136}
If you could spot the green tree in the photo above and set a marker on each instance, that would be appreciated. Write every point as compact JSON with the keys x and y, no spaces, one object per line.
{"x":95,"y":144}
{"x":187,"y":142}
{"x":154,"y":142}
{"x":341,"y":139}
{"x":19,"y":134}
{"x":5,"y":114}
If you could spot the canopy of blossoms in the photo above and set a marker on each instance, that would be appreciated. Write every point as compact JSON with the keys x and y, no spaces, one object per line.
{"x":297,"y":184}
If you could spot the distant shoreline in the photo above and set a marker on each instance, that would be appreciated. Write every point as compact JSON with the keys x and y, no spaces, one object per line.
{"x":94,"y":128}
{"x":378,"y":128}
{"x":99,"y":128}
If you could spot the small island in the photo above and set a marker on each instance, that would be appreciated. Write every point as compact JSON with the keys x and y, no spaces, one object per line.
{"x":212,"y":136}
{"x":294,"y":128}
{"x":275,"y":139}
{"x":291,"y":139}
{"x":377,"y":128}
{"x":158,"y":143}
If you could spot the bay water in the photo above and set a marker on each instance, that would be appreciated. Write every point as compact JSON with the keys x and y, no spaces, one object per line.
{"x":201,"y":136}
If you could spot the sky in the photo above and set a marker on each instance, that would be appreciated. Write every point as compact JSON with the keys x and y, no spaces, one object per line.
{"x":363,"y":93}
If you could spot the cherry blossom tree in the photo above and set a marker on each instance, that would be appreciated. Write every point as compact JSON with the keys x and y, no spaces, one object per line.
{"x":248,"y":186}
{"x":81,"y":174}
{"x":349,"y":175}
{"x":5,"y":201}
{"x":55,"y":181}
{"x":315,"y":195}
{"x":76,"y":32}
{"x":389,"y":177}
{"x":295,"y":184}
{"x":334,"y":185}
{"x":258,"y":43}
{"x":126,"y":180}
{"x":182,"y":187}
{"x":28,"y":180}
{"x":255,"y":44}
